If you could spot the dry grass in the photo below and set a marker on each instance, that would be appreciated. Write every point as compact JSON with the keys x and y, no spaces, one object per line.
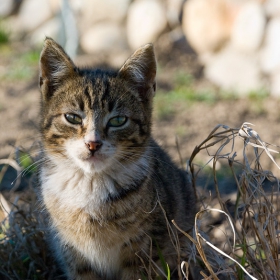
{"x":24,"y":252}
{"x":249,"y":230}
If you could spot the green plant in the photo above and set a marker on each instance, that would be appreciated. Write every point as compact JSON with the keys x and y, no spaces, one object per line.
{"x":259,"y":95}
{"x":256,"y":101}
{"x":4,"y":33}
{"x":21,"y":66}
{"x":26,"y":162}
{"x":184,"y":95}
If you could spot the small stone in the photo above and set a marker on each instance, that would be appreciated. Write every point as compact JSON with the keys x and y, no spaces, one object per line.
{"x":272,"y":8}
{"x":93,"y":11}
{"x":6,"y":7}
{"x":234,"y":71}
{"x":145,"y":22}
{"x":206,"y":24}
{"x":103,"y":37}
{"x":270,"y":55}
{"x":48,"y":29}
{"x":248,"y":27}
{"x":55,"y":5}
{"x":33,"y":13}
{"x":174,"y":10}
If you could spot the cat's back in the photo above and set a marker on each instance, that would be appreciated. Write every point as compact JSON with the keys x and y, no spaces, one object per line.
{"x":174,"y":188}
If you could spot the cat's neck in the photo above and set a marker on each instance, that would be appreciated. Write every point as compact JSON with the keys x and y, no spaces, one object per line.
{"x":79,"y":189}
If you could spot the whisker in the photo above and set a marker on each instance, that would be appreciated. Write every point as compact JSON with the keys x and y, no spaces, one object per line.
{"x":25,"y":171}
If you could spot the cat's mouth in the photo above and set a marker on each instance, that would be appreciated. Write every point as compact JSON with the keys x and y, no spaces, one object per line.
{"x":97,"y":163}
{"x":96,"y":159}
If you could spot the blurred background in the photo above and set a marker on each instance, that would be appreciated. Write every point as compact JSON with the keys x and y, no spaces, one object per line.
{"x":218,"y":62}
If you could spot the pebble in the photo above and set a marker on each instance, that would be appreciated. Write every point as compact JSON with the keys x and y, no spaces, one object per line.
{"x":272,"y":8}
{"x":146,"y":20}
{"x":270,"y":55}
{"x":102,"y":37}
{"x":206,"y":24}
{"x":33,"y":13}
{"x":234,"y":71}
{"x":6,"y":7}
{"x":248,"y":28}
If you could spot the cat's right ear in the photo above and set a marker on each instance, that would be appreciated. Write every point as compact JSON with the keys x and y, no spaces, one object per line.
{"x":140,"y":72}
{"x":55,"y":66}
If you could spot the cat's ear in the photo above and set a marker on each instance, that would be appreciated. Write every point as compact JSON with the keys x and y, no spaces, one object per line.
{"x":140,"y":71}
{"x":55,"y":66}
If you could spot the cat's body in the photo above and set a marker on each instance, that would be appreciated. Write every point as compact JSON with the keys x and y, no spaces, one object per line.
{"x":109,"y":188}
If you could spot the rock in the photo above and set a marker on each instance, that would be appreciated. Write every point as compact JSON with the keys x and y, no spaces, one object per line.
{"x":93,"y":11}
{"x":116,"y":60}
{"x":270,"y":55}
{"x":173,"y":11}
{"x":234,"y":71}
{"x":55,"y":5}
{"x":76,"y":6}
{"x":33,"y":13}
{"x":272,"y":8}
{"x":6,"y":7}
{"x":146,"y":20}
{"x":207,"y":24}
{"x":48,"y":29}
{"x":103,"y":37}
{"x":248,"y":27}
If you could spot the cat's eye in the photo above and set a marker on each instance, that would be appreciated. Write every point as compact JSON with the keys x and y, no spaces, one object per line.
{"x":117,"y":121}
{"x":73,"y":118}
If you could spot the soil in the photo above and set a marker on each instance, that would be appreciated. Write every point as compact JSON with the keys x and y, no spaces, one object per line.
{"x":184,"y":129}
{"x":19,"y":109}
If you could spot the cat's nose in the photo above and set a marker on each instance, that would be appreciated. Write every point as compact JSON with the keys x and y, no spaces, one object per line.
{"x":93,"y":146}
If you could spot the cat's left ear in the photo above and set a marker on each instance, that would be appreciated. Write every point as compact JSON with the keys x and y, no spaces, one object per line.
{"x":55,"y":67}
{"x":140,"y":72}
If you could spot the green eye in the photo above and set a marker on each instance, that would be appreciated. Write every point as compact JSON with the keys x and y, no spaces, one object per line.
{"x":117,"y":121}
{"x":74,"y":119}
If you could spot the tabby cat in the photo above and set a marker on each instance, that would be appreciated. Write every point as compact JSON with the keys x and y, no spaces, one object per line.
{"x":109,"y":189}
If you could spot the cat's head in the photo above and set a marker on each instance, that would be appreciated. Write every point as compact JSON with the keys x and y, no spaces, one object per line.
{"x":95,"y":119}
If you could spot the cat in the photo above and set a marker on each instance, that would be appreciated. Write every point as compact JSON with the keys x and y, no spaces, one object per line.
{"x":110,"y":190}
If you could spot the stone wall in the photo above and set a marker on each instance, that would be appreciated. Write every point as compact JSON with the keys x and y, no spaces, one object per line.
{"x":237,"y":41}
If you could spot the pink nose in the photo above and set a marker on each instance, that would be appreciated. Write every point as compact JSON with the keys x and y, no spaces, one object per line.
{"x":93,"y":146}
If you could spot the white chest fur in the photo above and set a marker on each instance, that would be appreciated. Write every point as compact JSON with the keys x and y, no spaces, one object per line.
{"x":75,"y":189}
{"x":67,"y":191}
{"x":75,"y":192}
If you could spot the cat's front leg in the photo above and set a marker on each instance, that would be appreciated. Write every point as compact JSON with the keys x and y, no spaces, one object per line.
{"x":76,"y":267}
{"x":131,"y":274}
{"x":85,"y":275}
{"x":131,"y":269}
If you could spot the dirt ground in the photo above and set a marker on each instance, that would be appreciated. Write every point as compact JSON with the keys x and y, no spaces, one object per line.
{"x":189,"y":123}
{"x":19,"y":111}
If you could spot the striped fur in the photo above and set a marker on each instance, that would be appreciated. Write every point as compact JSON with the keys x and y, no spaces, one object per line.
{"x":109,"y":207}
